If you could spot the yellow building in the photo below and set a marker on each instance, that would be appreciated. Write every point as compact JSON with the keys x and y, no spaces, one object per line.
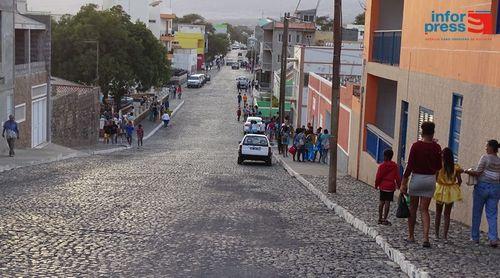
{"x":192,"y":37}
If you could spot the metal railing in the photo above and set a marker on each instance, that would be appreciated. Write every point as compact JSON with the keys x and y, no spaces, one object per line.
{"x":376,"y":142}
{"x":386,"y":47}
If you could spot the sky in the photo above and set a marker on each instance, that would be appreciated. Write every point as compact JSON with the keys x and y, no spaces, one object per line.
{"x":216,"y":10}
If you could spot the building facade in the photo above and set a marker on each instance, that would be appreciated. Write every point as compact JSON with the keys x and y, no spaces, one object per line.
{"x":418,"y":72}
{"x":32,"y":52}
{"x":186,"y":59}
{"x":189,"y":36}
{"x":7,"y":12}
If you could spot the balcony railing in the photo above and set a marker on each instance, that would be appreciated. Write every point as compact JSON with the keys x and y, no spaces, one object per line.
{"x":376,"y":142}
{"x":387,"y":47}
{"x":25,"y":69}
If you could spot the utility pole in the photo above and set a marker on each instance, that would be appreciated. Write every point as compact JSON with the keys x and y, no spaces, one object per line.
{"x":337,"y":47}
{"x":284,"y":58}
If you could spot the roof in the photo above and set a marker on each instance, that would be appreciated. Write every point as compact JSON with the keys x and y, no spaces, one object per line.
{"x":24,"y":22}
{"x":296,"y":25}
{"x":63,"y":82}
{"x":264,"y":21}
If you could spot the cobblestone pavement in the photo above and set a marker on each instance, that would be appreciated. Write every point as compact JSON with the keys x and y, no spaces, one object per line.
{"x":179,"y":207}
{"x":457,"y":257}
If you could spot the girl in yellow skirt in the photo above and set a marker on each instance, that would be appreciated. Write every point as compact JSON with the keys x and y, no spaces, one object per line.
{"x":447,"y":192}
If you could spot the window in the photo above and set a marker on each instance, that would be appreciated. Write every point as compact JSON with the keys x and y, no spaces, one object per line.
{"x":424,"y":115}
{"x":152,"y":21}
{"x":289,"y":38}
{"x":256,"y":141}
{"x":38,"y":91}
{"x":298,"y":38}
{"x":20,"y":113}
{"x":456,"y":123}
{"x":280,"y":37}
{"x":375,"y":144}
{"x":279,"y":58}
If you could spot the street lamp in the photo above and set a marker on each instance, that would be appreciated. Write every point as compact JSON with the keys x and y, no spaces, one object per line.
{"x":97,"y":57}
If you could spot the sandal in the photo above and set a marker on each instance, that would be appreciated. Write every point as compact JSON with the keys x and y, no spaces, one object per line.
{"x":426,"y":244}
{"x":387,"y":223}
{"x":380,"y":222}
{"x":410,"y":241}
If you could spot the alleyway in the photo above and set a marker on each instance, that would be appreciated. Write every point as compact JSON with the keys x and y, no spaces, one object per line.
{"x":180,"y":207}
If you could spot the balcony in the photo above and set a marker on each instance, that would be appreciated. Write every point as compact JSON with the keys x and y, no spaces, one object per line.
{"x":167,"y":37}
{"x":387,"y":47}
{"x":30,"y":68}
{"x":376,"y":142}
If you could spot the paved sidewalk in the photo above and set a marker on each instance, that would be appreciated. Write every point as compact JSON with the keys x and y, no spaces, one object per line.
{"x":52,"y":152}
{"x":457,"y":257}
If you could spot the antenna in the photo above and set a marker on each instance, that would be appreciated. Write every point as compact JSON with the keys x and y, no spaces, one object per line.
{"x":297,"y":8}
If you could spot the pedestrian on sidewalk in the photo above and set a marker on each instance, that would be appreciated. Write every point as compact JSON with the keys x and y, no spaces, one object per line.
{"x":114,"y":133}
{"x":447,"y":190}
{"x":300,"y":141}
{"x":239,"y":99}
{"x":179,"y":91}
{"x":107,"y":132}
{"x":166,"y":119}
{"x":129,"y":128}
{"x":387,"y":180}
{"x":245,"y":99}
{"x":285,"y":138}
{"x":325,"y":146}
{"x":279,"y":140}
{"x":238,"y":113}
{"x":424,"y":162}
{"x":140,"y":135}
{"x":10,"y":133}
{"x":317,"y":146}
{"x":486,"y":193}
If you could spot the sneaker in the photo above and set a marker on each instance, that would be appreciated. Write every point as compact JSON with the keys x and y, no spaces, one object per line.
{"x":493,"y":243}
{"x":426,"y":244}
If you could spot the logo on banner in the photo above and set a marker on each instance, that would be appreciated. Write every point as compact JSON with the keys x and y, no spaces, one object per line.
{"x":472,"y":22}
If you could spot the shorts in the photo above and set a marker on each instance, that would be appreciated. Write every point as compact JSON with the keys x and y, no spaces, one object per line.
{"x":422,"y":185}
{"x":386,"y":196}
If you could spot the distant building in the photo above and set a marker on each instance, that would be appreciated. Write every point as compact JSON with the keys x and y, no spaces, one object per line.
{"x":270,"y":35}
{"x":220,"y":28}
{"x":360,"y":28}
{"x":325,"y":38}
{"x":167,"y":33}
{"x":189,"y":36}
{"x":306,"y":15}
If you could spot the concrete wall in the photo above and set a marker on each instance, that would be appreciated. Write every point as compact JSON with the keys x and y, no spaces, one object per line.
{"x":386,"y":105}
{"x":391,"y":14}
{"x":75,"y":116}
{"x":185,"y":59}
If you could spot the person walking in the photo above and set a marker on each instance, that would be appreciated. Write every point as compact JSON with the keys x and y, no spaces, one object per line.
{"x":424,"y":162}
{"x":238,"y":113}
{"x":387,"y":180}
{"x":317,"y":147}
{"x":447,"y":190}
{"x":245,"y":99}
{"x":10,"y":133}
{"x":166,"y":119}
{"x":140,"y":135}
{"x":301,"y":143}
{"x":325,"y":146}
{"x":114,"y":133}
{"x":239,"y":99}
{"x":486,"y":193}
{"x":129,"y":128}
{"x":285,"y":139}
{"x":107,"y":132}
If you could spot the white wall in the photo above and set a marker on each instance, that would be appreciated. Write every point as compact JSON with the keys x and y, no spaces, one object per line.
{"x":186,"y":59}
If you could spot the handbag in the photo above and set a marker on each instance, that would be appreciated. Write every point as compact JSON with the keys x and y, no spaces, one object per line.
{"x":403,"y":211}
{"x":292,"y":150}
{"x":10,"y":134}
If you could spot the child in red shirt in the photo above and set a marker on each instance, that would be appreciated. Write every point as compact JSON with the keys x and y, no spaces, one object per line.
{"x":387,"y":180}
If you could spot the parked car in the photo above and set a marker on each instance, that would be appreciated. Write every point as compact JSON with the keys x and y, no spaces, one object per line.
{"x":229,"y":62}
{"x":240,"y":54}
{"x":195,"y":81}
{"x":235,"y":66}
{"x":255,"y":147}
{"x":207,"y":77}
{"x":254,"y":125}
{"x":243,"y":84}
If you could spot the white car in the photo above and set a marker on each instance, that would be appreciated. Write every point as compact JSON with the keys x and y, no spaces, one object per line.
{"x":257,"y":127}
{"x":195,"y":81}
{"x":255,"y":147}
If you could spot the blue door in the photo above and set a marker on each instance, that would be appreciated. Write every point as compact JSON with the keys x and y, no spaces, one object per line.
{"x":402,"y":136}
{"x":456,"y":123}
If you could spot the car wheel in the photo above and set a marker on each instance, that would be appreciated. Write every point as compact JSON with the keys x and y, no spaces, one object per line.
{"x":240,"y":160}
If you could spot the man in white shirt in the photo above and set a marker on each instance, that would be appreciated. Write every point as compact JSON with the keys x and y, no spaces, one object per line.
{"x":166,"y":119}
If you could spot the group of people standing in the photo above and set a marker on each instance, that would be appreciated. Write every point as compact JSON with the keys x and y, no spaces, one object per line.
{"x":118,"y":127}
{"x":307,"y":144}
{"x":431,"y":172}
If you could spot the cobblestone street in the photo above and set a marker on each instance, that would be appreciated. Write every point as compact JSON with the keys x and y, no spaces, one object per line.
{"x":179,"y":207}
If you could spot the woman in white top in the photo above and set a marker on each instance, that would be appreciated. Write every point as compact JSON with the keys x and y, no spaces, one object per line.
{"x":486,"y":193}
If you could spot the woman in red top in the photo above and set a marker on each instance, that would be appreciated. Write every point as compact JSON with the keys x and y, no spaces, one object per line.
{"x":424,"y":162}
{"x":387,"y":181}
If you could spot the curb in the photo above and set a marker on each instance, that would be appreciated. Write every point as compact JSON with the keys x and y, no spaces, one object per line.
{"x":160,"y":125}
{"x":395,"y":255}
{"x":83,"y":154}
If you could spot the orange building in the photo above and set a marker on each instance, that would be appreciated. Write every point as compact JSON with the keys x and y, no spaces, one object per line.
{"x":430,"y":60}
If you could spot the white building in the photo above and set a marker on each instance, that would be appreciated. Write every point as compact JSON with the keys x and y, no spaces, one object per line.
{"x":185,"y":59}
{"x":360,"y":28}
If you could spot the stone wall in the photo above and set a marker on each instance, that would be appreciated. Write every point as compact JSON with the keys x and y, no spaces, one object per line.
{"x":75,"y":115}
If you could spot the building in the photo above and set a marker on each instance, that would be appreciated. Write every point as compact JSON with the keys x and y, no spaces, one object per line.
{"x":189,"y":36}
{"x":318,"y":60}
{"x":360,"y":28}
{"x":319,"y":114}
{"x":433,"y":67}
{"x":7,"y":11}
{"x":306,"y":15}
{"x":270,"y":35}
{"x":32,"y":52}
{"x":186,"y":59}
{"x":167,"y":33}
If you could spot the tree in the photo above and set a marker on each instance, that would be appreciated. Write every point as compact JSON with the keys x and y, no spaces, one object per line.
{"x":130,"y":55}
{"x":218,"y":44}
{"x":238,"y":33}
{"x":360,"y":19}
{"x":325,"y":23}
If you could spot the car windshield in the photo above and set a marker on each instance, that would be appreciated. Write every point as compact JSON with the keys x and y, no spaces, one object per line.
{"x":255,"y":141}
{"x":194,"y":78}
